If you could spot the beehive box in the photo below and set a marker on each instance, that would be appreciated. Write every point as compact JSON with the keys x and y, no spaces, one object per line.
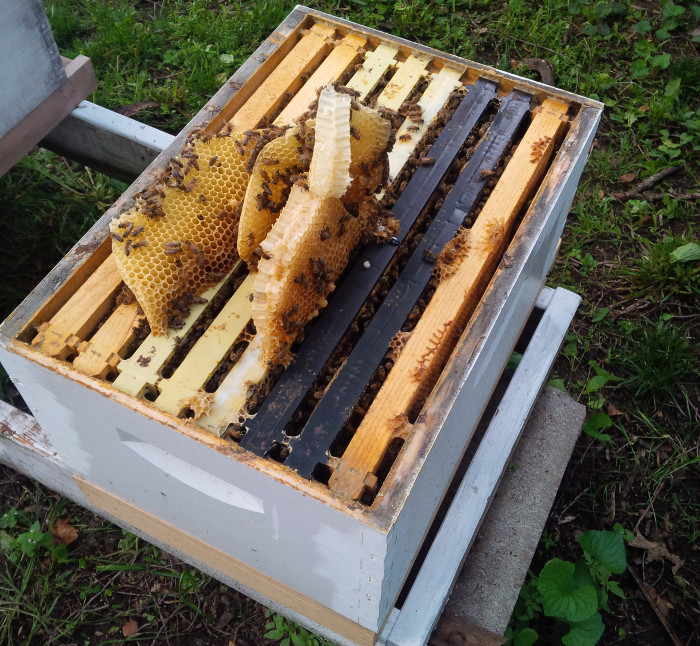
{"x":314,"y":486}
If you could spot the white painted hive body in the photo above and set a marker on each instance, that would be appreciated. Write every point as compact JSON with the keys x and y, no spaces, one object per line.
{"x":333,"y":542}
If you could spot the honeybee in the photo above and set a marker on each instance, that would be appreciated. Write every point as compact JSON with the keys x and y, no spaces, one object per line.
{"x":191,"y":247}
{"x":429,"y":256}
{"x":189,"y":185}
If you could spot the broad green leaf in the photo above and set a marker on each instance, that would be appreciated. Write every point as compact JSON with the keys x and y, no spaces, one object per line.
{"x":595,"y":422}
{"x":526,"y":637}
{"x":662,"y":61}
{"x":642,"y":27}
{"x":560,"y":596}
{"x":673,"y":88}
{"x":672,"y":10}
{"x":639,"y":68}
{"x":602,"y":313}
{"x":582,"y":574}
{"x":274,"y":634}
{"x":8,"y":520}
{"x":227,"y":59}
{"x":595,"y":383}
{"x":687,"y":253}
{"x":557,"y":383}
{"x":585,"y":633}
{"x":606,"y":548}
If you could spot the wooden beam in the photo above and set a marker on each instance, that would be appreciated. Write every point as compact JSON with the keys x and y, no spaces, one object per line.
{"x":456,"y":297}
{"x":404,"y":80}
{"x":100,"y":356}
{"x":376,"y":63}
{"x":434,"y":98}
{"x":286,"y":78}
{"x":141,"y":371}
{"x":181,"y":390}
{"x":232,"y":393}
{"x":344,"y":54}
{"x":107,"y":141}
{"x":60,"y":336}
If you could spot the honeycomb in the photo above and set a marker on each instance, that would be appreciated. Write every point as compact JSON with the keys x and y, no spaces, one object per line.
{"x":277,"y":167}
{"x":305,"y":252}
{"x":329,"y":173}
{"x":369,"y":138}
{"x":309,"y":245}
{"x":180,"y":235}
{"x":452,"y":254}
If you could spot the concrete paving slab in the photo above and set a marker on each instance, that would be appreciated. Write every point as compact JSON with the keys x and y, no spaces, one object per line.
{"x":493,"y":573}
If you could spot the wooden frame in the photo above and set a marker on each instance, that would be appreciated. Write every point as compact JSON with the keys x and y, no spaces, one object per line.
{"x":350,"y":561}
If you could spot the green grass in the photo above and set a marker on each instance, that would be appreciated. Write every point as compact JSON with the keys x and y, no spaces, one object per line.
{"x":632,"y":355}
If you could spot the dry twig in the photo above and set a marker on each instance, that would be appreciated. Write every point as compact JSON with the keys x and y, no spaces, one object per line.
{"x":637,"y":191}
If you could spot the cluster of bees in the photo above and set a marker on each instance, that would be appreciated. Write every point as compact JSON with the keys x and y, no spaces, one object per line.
{"x":539,"y":148}
{"x":128,"y":234}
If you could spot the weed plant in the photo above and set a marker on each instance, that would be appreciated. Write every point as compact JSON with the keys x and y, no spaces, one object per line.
{"x":631,"y":355}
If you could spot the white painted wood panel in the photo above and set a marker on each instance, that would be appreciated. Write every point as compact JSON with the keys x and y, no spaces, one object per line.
{"x":434,"y":582}
{"x":298,"y":540}
{"x":30,"y":65}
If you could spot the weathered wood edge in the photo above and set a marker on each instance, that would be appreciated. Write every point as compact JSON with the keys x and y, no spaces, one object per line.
{"x":434,"y":582}
{"x":19,"y":140}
